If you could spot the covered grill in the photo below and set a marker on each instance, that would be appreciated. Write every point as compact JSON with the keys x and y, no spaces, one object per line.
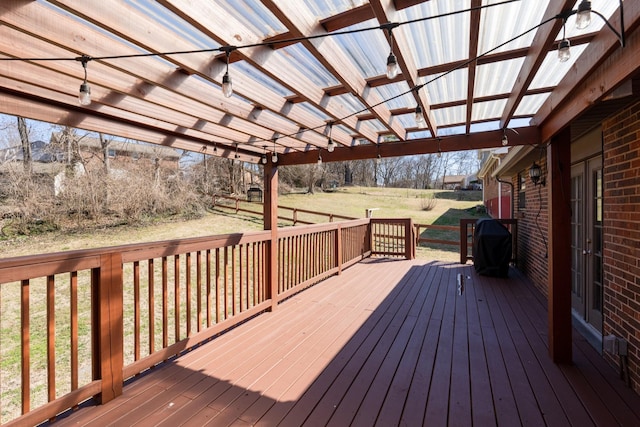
{"x":491,"y":248}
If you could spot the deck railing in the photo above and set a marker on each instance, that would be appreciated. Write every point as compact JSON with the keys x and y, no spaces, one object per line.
{"x":77,"y":324}
{"x":467,"y":233}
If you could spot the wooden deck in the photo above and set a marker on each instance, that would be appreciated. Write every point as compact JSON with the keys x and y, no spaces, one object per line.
{"x":386,"y":343}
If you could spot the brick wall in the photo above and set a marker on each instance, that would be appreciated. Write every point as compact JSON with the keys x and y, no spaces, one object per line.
{"x":532,"y":230}
{"x":622,"y":233}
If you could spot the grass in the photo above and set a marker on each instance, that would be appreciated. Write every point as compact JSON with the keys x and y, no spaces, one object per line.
{"x":351,"y":201}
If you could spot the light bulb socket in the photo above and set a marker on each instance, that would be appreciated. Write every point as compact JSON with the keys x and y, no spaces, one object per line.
{"x":84,"y":96}
{"x":564,"y":50}
{"x":227,"y":87}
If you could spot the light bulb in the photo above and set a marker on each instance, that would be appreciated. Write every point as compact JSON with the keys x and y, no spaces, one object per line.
{"x":274,"y":157}
{"x":227,"y":87}
{"x":378,"y":159}
{"x":439,"y":153}
{"x":84,"y":97}
{"x":505,"y":140}
{"x":420,"y":117}
{"x":319,"y":160}
{"x":583,"y":17}
{"x":264,"y":159}
{"x":564,"y":51}
{"x":392,"y":67}
{"x":331,"y":145}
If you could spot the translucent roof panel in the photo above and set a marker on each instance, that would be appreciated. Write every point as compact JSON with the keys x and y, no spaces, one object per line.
{"x":501,"y":23}
{"x":254,"y":15}
{"x":419,"y":134}
{"x":368,"y":50}
{"x":552,"y":71}
{"x":397,"y":95}
{"x":308,"y":64}
{"x":454,"y":130}
{"x":241,"y":70}
{"x":488,"y":110}
{"x":450,"y":116}
{"x":497,"y":77}
{"x":531,"y":104}
{"x":326,"y":8}
{"x":351,"y":103}
{"x":445,"y":88}
{"x":439,"y":40}
{"x":485,"y":126}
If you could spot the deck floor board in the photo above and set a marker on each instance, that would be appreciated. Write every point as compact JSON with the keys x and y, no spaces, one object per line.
{"x":385,"y":343}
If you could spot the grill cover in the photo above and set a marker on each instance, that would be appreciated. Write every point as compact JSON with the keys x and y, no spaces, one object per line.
{"x":491,"y":248}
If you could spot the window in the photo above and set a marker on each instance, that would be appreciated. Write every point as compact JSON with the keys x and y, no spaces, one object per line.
{"x":522,"y":186}
{"x":111,"y":153}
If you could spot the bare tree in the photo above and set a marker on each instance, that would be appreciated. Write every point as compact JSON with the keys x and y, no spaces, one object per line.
{"x":27,"y":161}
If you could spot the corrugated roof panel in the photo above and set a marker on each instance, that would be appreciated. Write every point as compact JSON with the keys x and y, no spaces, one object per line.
{"x":451,"y":115}
{"x":440,"y":40}
{"x":254,"y":15}
{"x":552,"y":71}
{"x":501,"y":23}
{"x":396,"y":95}
{"x":419,"y":135}
{"x":326,"y":8}
{"x":531,"y":104}
{"x":450,"y":87}
{"x":308,"y":64}
{"x":484,"y":126}
{"x":488,"y":110}
{"x":242,"y":69}
{"x":368,"y":50}
{"x":497,"y":77}
{"x":454,"y":130}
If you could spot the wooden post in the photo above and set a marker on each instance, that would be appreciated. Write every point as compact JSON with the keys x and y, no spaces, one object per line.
{"x":270,"y":207}
{"x":108,"y":337}
{"x":463,"y":241}
{"x":559,"y":187}
{"x":409,"y":240}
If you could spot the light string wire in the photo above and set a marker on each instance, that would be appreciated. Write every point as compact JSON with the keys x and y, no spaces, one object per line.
{"x":386,"y":26}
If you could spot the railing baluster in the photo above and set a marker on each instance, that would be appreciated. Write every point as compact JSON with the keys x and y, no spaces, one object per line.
{"x":217,"y":285}
{"x":73,"y":308}
{"x":51,"y":339}
{"x":136,"y":310}
{"x":209,"y":295}
{"x":188,"y":291}
{"x":165,"y":303}
{"x":176,"y":296}
{"x":199,"y":293}
{"x":25,"y":347}
{"x":152,"y":304}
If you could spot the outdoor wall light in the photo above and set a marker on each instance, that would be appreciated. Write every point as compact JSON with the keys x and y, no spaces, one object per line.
{"x":84,"y":96}
{"x":420,"y":117}
{"x":535,"y":173}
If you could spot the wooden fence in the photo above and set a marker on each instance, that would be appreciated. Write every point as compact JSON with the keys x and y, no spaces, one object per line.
{"x":86,"y":321}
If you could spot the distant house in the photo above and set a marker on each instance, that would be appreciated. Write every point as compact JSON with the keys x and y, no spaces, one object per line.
{"x":460,"y":182}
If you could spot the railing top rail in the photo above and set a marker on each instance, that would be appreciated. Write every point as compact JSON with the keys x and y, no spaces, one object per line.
{"x":314,"y":228}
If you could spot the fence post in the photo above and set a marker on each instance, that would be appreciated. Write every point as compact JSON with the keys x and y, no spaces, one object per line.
{"x":108,"y":330}
{"x":463,"y":241}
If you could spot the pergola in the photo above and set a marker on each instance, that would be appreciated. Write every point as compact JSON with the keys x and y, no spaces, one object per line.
{"x":308,"y":75}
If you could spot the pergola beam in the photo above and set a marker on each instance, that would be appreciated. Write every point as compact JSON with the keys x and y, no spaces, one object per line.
{"x":491,"y":139}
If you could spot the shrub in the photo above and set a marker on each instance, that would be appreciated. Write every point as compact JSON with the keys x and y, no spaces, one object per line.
{"x":428,"y":202}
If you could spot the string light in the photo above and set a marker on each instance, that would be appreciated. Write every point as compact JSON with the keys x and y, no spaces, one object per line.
{"x":392,"y":62}
{"x":420,"y":117}
{"x":236,"y":156}
{"x":330,"y":144}
{"x":264,"y":155}
{"x":583,"y":17}
{"x":319,"y":158}
{"x":227,"y":87}
{"x":564,"y":51}
{"x":84,"y":96}
{"x":505,"y":139}
{"x":274,"y":156}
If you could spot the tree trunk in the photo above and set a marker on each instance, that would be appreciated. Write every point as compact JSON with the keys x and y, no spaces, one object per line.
{"x":27,"y":160}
